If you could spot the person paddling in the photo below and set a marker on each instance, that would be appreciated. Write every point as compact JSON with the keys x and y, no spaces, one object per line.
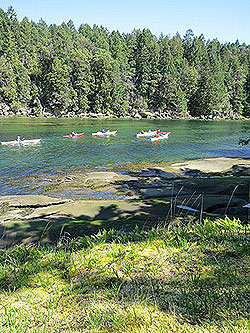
{"x":18,"y":139}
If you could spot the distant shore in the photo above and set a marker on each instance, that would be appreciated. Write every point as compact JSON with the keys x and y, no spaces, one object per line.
{"x":7,"y":112}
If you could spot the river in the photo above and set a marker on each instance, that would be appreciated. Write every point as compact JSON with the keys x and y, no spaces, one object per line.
{"x":189,"y":139}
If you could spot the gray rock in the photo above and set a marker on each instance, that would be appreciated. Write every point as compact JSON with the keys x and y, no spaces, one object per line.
{"x":146,"y":173}
{"x":155,"y":192}
{"x":138,"y":116}
{"x":149,"y":184}
{"x":30,"y":200}
{"x":167,"y":175}
{"x":124,"y":187}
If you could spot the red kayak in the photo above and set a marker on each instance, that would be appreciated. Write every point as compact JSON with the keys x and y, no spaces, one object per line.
{"x":73,"y":136}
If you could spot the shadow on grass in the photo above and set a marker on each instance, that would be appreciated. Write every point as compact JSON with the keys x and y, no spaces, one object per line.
{"x":202,"y":302}
{"x":219,"y":298}
{"x":207,"y":284}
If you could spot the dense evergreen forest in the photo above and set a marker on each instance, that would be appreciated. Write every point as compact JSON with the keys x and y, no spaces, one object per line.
{"x":62,"y":71}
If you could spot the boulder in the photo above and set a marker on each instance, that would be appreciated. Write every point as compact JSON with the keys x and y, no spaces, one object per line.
{"x":137,"y":116}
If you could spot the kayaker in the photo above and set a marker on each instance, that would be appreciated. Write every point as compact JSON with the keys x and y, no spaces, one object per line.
{"x":19,"y":139}
{"x":103,"y":130}
{"x":73,"y":133}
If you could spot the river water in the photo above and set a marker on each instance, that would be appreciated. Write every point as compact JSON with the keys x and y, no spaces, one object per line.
{"x":189,"y":139}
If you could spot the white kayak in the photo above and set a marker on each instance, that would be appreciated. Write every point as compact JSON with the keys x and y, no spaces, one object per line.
{"x":160,"y":136}
{"x":105,"y":133}
{"x":145,"y":134}
{"x":21,"y":142}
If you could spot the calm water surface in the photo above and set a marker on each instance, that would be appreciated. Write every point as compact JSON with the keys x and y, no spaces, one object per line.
{"x":189,"y":139}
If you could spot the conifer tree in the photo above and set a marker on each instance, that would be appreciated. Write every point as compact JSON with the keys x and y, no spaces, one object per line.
{"x":65,"y":71}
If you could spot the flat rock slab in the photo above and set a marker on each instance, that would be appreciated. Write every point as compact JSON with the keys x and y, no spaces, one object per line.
{"x":104,"y":175}
{"x":79,"y":181}
{"x":90,"y":209}
{"x":221,"y":164}
{"x":30,"y":200}
{"x":149,"y":193}
{"x":97,"y":179}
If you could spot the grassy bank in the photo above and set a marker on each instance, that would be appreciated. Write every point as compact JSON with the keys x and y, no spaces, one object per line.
{"x":181,"y":278}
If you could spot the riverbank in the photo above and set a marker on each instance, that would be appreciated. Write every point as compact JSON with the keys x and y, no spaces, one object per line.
{"x":6,"y":111}
{"x":164,"y":257}
{"x":80,"y":203}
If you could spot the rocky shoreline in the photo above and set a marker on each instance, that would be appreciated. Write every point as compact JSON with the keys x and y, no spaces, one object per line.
{"x":35,"y":112}
{"x":142,"y":193}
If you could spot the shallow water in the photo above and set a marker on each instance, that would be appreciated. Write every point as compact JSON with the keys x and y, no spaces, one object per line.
{"x":189,"y":139}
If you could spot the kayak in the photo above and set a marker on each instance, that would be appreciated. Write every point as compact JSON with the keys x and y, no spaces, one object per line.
{"x":160,"y":136}
{"x":104,"y":133}
{"x":145,"y":134}
{"x":73,"y":136}
{"x":21,"y":142}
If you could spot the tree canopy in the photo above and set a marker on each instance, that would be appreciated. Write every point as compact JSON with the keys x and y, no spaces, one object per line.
{"x":65,"y":71}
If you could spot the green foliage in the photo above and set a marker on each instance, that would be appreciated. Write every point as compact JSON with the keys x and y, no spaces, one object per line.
{"x":67,"y":72}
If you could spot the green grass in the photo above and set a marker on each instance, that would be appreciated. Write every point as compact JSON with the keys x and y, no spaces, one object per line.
{"x":177,"y":278}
